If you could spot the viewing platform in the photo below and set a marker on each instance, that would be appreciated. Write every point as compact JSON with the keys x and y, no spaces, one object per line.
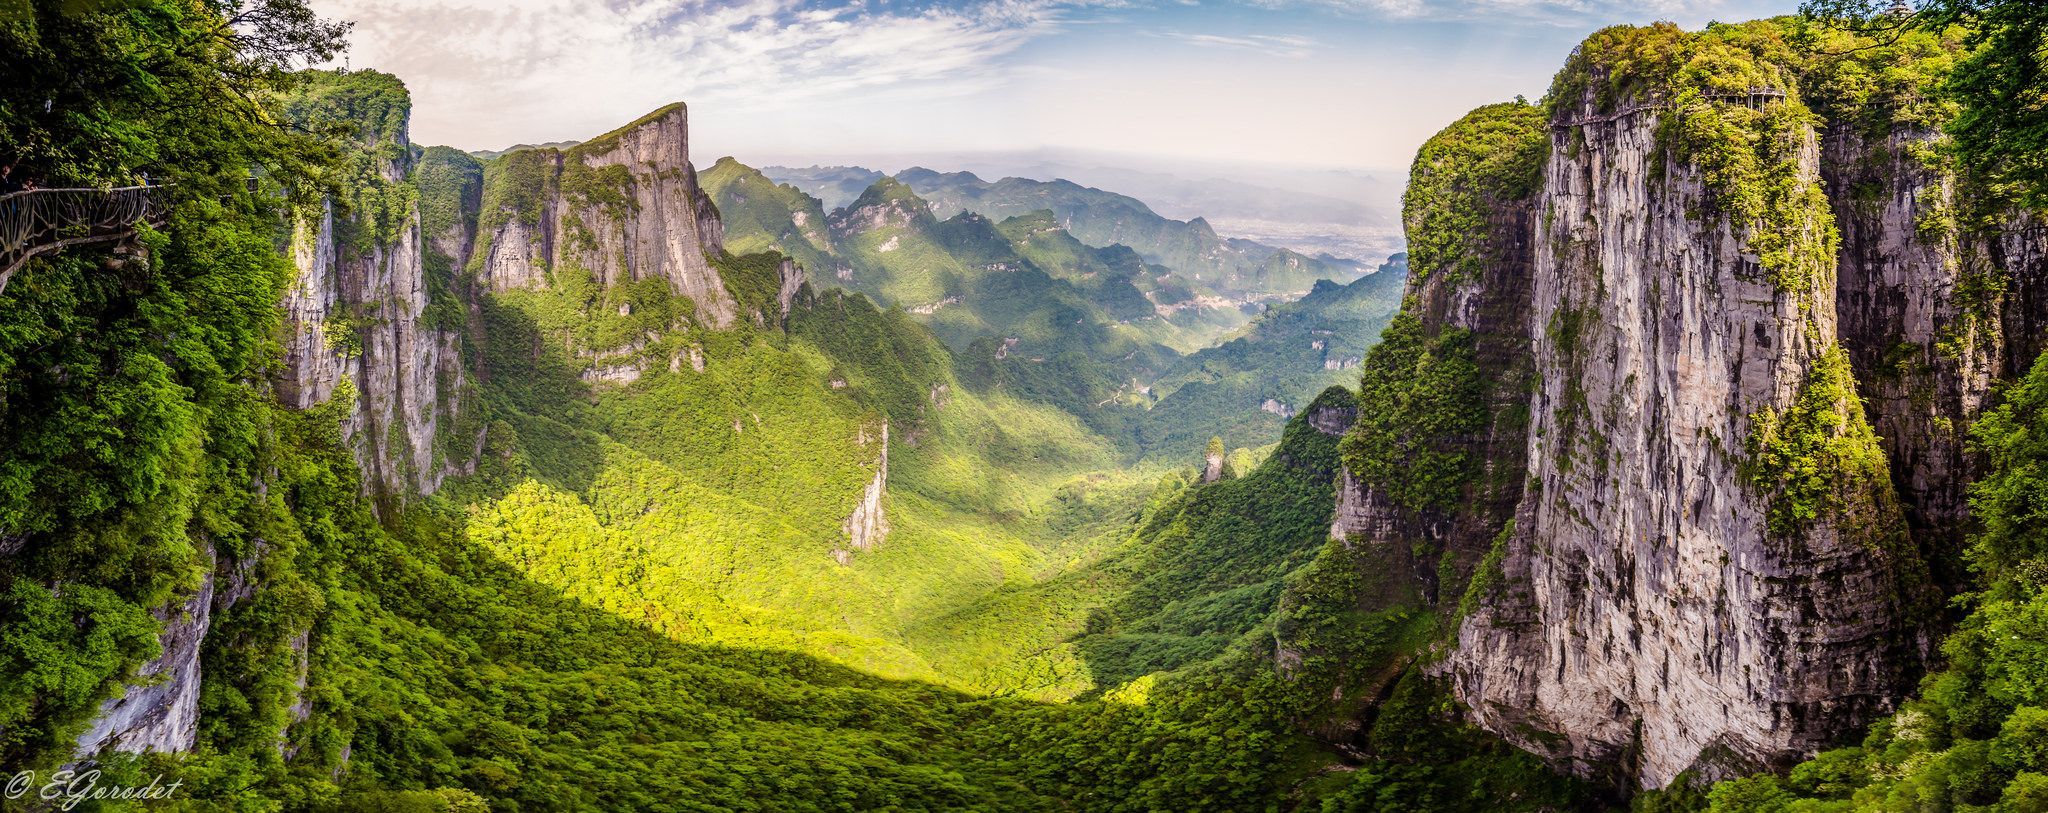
{"x":40,"y":221}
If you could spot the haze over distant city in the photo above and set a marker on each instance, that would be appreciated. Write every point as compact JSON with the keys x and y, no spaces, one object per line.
{"x":1351,"y":84}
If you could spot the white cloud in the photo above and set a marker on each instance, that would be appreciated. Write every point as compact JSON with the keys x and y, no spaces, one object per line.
{"x":484,"y":73}
{"x":1291,"y":47}
{"x":796,"y":77}
{"x":1559,"y":12}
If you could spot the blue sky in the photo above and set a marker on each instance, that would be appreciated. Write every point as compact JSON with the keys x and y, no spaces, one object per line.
{"x":1322,"y":83}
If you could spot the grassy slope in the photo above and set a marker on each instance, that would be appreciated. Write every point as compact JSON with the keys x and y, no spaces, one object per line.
{"x":708,"y":504}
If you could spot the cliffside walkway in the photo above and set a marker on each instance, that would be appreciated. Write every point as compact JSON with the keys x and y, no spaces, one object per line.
{"x":40,"y":221}
{"x":1752,"y":98}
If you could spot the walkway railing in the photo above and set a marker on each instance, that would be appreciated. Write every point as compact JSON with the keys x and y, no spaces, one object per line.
{"x":40,"y":221}
{"x":1753,"y":98}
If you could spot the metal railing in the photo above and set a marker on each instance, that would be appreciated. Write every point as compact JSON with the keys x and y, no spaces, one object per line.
{"x":39,"y":221}
{"x":1754,"y":98}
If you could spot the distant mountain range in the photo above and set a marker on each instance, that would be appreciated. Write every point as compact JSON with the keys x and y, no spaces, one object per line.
{"x":486,"y":155}
{"x":1242,"y":269}
{"x":1075,"y":296}
{"x":834,"y":186}
{"x":1283,"y":358}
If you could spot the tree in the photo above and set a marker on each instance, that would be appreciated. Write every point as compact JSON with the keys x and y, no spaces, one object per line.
{"x":2001,"y":83}
{"x":132,"y":437}
{"x":99,"y":92}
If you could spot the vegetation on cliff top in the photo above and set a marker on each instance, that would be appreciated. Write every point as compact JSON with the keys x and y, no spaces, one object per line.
{"x":450,"y":186}
{"x":1990,"y":81}
{"x":1494,"y":155}
{"x":1730,"y":108}
{"x":365,"y":113}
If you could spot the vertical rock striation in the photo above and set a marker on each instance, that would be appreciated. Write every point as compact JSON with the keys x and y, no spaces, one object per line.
{"x":1932,"y":314}
{"x":1659,"y":611}
{"x":378,"y":319}
{"x":868,"y":525}
{"x":1895,"y":310}
{"x":359,"y":319}
{"x":621,"y":207}
{"x":1624,"y":404}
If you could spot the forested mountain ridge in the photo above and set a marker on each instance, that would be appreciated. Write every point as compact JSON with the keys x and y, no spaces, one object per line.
{"x":1030,"y":309}
{"x":890,"y":242}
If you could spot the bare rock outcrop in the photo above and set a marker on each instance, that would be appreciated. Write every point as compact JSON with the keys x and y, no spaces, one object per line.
{"x":624,"y":206}
{"x":868,"y":526}
{"x":1931,"y":314}
{"x":159,"y":711}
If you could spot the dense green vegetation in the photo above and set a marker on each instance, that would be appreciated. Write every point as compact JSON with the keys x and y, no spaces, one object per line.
{"x":648,"y":596}
{"x":1819,"y":457}
{"x":760,"y":215}
{"x":1988,"y":81}
{"x":1432,"y":397}
{"x":1493,"y":155}
{"x":132,"y":438}
{"x":635,"y":600}
{"x":367,"y":111}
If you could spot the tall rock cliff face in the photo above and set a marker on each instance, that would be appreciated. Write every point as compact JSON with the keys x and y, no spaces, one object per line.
{"x":1925,"y":374}
{"x":1625,"y":404}
{"x":1430,"y":503}
{"x":161,"y":711}
{"x":624,"y":206}
{"x":362,"y":318}
{"x":373,"y":317}
{"x":1938,"y":300}
{"x":1668,"y":621}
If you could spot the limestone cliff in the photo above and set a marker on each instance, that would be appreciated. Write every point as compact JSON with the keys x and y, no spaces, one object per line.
{"x":1467,"y":306}
{"x":1653,"y":351}
{"x":363,"y":318}
{"x":1660,"y":618}
{"x":160,"y":711}
{"x":868,"y":525}
{"x":624,"y":206}
{"x":1933,"y":314}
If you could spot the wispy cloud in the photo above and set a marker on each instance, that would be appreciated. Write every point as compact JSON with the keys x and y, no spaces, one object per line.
{"x":1290,"y":47}
{"x":565,"y":61}
{"x":1556,"y":12}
